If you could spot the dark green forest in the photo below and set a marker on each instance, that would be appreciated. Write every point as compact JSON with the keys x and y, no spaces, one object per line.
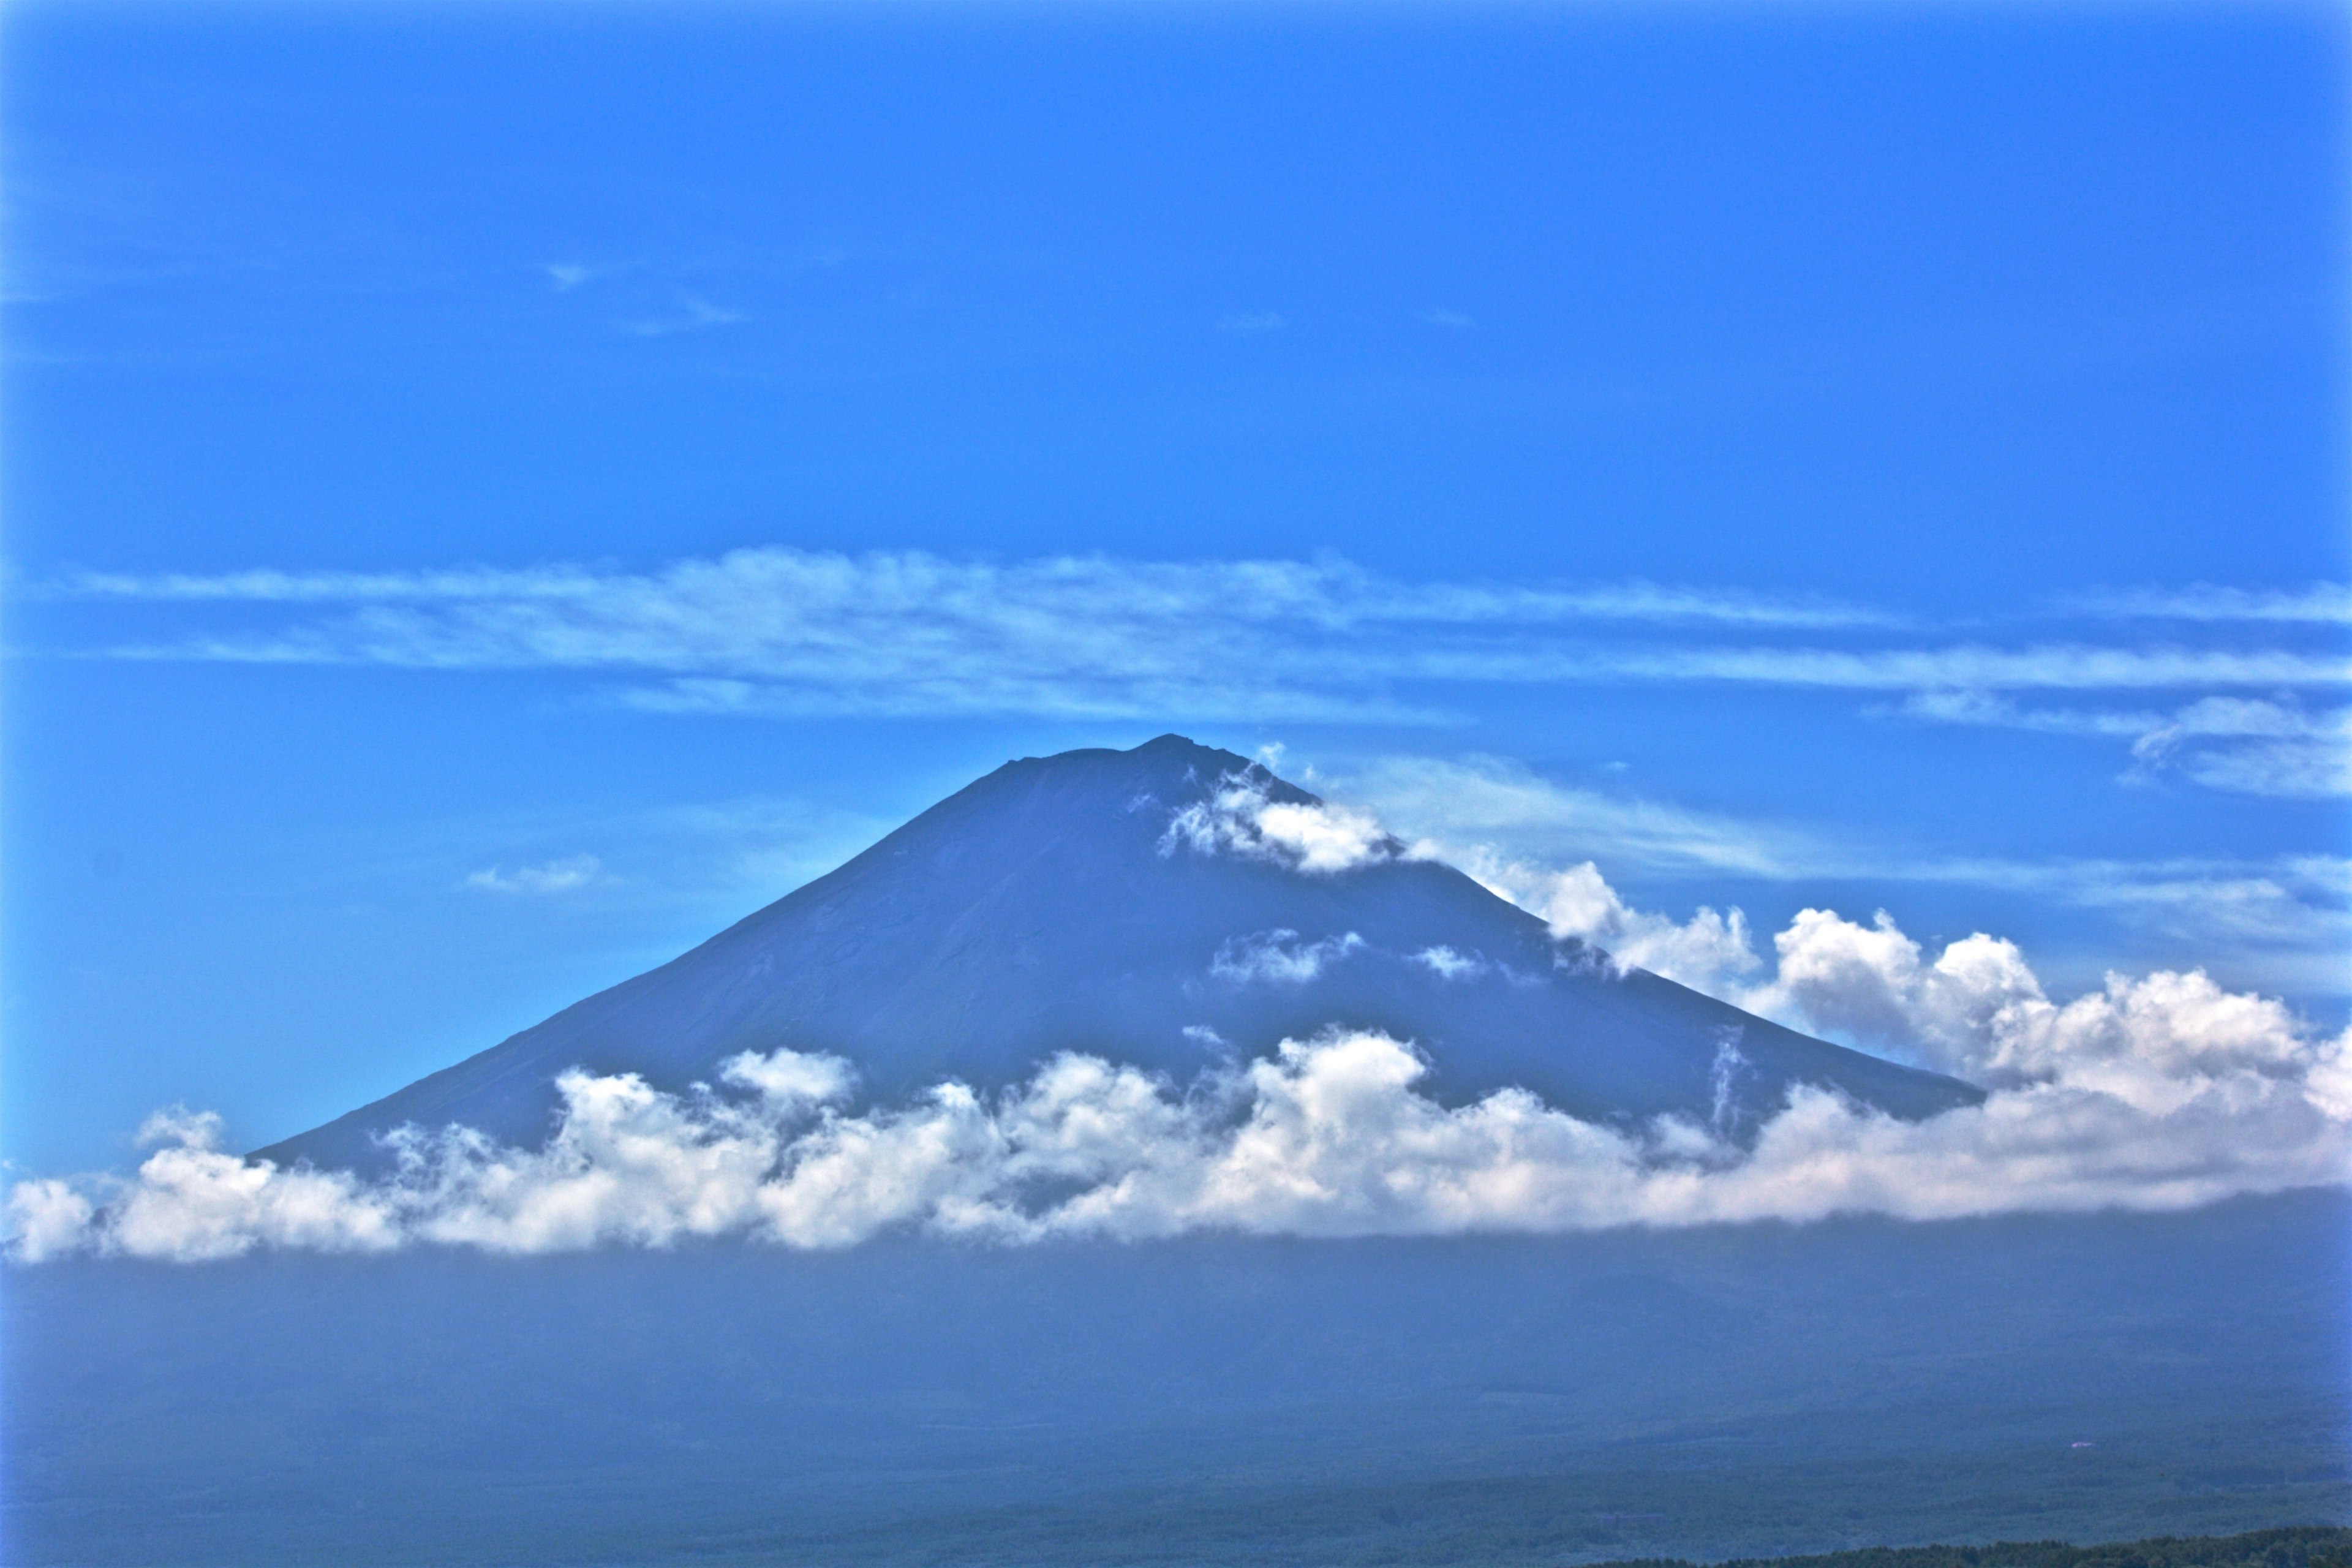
{"x":2314,"y":1547}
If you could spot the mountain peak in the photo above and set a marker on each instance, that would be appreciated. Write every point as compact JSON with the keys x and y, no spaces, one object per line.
{"x":1171,"y":766}
{"x":1136,"y":905}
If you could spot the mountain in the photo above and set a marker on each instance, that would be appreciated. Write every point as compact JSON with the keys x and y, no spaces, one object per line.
{"x":1051,"y":907}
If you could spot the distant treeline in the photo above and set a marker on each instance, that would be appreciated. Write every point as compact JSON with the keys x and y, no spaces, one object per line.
{"x":2317,"y":1546}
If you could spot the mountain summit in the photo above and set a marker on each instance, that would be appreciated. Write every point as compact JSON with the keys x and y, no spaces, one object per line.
{"x":1173,"y":906}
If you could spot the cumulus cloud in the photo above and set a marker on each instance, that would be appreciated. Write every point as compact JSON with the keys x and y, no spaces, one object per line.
{"x":1709,"y":951}
{"x":2155,"y":1092}
{"x":1242,"y":817}
{"x":1978,"y":1010}
{"x":552,"y":877}
{"x":2161,"y":1093}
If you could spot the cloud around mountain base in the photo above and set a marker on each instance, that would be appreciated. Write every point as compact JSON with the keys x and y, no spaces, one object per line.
{"x":2156,"y":1094}
{"x":2158,"y":1091}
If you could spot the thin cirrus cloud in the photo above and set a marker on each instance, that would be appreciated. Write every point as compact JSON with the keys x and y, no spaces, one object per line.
{"x":692,"y":315}
{"x":2246,"y":745}
{"x":2322,"y":603}
{"x":1329,"y":593}
{"x":786,"y":631}
{"x":564,"y":876}
{"x":1462,"y":806}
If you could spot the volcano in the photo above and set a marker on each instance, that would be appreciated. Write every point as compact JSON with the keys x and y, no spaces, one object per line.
{"x":1138,"y":906}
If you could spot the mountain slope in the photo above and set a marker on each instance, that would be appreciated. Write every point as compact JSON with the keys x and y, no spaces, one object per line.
{"x":1048,"y":907}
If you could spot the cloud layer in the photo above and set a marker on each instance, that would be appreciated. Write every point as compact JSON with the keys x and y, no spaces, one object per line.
{"x":791,"y":632}
{"x":2157,"y":1091}
{"x":2161,"y":1091}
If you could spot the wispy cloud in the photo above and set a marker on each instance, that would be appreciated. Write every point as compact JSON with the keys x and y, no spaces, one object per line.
{"x":2285,"y":902}
{"x":753,"y":588}
{"x":564,"y":876}
{"x":1966,"y":667}
{"x":782,"y":631}
{"x":1542,"y":843}
{"x":2326,"y":604}
{"x":1456,"y":808}
{"x":2244,"y":744}
{"x":692,"y":315}
{"x":1447,"y":965}
{"x":1280,"y":958}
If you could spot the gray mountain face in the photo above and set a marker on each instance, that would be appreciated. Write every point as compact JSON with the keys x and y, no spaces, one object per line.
{"x":1049,"y":907}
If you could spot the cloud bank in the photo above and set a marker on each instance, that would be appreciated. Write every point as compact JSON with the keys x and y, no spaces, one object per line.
{"x":2160,"y":1092}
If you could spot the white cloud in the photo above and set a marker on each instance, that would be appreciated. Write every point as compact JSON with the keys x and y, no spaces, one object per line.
{"x":2160,"y":1093}
{"x":2289,"y":902}
{"x":2157,"y":1091}
{"x":566,"y":275}
{"x":1992,"y":710}
{"x":1513,"y":829}
{"x":1279,"y":958}
{"x":2156,"y":1042}
{"x":1507,"y":810}
{"x":1448,"y":965}
{"x":693,"y":315}
{"x":2327,"y":604}
{"x":2244,"y":744}
{"x":775,"y":630}
{"x":1708,"y":953}
{"x":2254,"y":747}
{"x":785,"y":631}
{"x":561,"y":876}
{"x":1243,"y":819}
{"x":2046,"y":666}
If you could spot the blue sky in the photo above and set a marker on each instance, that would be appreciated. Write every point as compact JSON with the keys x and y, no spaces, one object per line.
{"x":493,"y":493}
